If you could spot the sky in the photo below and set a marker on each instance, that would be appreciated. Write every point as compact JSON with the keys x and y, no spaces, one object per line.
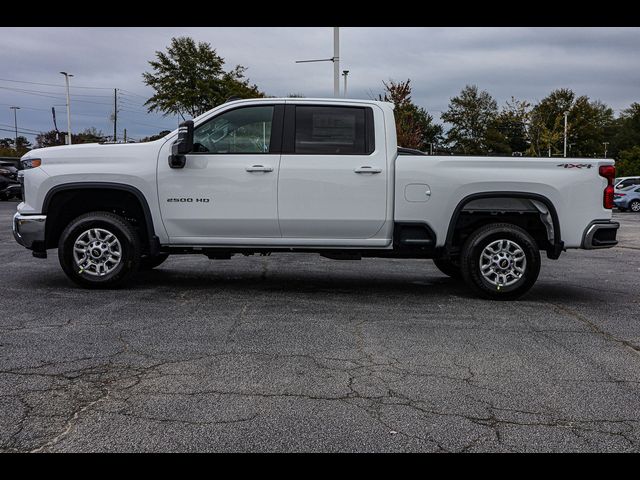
{"x":524,"y":62}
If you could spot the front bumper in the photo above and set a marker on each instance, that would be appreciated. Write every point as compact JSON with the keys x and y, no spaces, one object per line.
{"x":600,"y":234}
{"x":28,"y":230}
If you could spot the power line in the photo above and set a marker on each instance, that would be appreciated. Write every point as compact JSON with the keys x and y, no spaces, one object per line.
{"x":29,"y":107}
{"x":26,"y":90}
{"x":52,"y":84}
{"x":19,"y":131}
{"x":131,"y":93}
{"x":24,"y":129}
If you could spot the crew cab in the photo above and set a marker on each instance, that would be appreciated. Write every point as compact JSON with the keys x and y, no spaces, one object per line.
{"x":270,"y":175}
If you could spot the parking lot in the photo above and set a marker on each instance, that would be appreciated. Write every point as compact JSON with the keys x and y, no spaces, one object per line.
{"x":301,"y":353}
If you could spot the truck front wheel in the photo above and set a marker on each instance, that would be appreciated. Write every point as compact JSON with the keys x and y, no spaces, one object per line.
{"x":500,"y":261}
{"x":99,"y":250}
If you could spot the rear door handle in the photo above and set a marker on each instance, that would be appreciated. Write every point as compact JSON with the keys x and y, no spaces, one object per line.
{"x":367,"y":169}
{"x":259,"y":168}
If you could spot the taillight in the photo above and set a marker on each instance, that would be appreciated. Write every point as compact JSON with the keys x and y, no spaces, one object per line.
{"x":608,"y":172}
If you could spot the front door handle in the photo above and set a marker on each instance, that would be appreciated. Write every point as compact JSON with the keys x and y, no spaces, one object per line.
{"x":259,"y":168}
{"x":367,"y":169}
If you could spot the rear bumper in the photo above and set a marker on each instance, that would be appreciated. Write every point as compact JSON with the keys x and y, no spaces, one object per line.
{"x":600,"y":234}
{"x":28,"y":230}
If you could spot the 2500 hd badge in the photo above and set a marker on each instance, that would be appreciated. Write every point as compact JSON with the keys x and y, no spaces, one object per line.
{"x":188,"y":200}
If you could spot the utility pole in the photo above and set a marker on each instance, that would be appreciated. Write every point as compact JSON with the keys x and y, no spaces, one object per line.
{"x":15,"y":122}
{"x":344,"y":74}
{"x":605,"y":148}
{"x":115,"y":114}
{"x":66,"y":77}
{"x":565,"y":134}
{"x":335,"y":59}
{"x":125,"y":135}
{"x":336,"y":62}
{"x":430,"y":148}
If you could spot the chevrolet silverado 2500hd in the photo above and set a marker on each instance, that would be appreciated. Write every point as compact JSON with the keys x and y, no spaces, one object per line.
{"x":308,"y":175}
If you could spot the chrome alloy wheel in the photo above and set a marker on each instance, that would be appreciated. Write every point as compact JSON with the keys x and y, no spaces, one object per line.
{"x":503,"y":263}
{"x":97,"y":252}
{"x":635,"y":206}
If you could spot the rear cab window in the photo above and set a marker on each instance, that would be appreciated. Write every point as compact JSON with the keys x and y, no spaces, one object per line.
{"x":329,"y":130}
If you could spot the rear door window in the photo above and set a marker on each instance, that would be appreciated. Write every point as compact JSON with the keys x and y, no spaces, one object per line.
{"x":333,"y":130}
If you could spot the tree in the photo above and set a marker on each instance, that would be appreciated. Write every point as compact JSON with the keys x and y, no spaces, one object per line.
{"x":157,"y":136}
{"x":49,"y":139}
{"x":626,"y":131}
{"x":414,"y":126}
{"x":629,"y":163}
{"x":53,"y":138}
{"x":472,"y":116}
{"x":588,"y":124}
{"x":8,"y":149}
{"x":511,"y":125}
{"x":190,"y":79}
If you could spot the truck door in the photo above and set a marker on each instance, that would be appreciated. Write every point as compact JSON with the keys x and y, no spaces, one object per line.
{"x":228,"y":187}
{"x":333,"y":173}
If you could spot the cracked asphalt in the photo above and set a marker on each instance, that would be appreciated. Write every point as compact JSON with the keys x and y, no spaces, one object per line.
{"x":300,"y":353}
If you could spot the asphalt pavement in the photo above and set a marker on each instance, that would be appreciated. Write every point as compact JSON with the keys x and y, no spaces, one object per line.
{"x":295,"y":352}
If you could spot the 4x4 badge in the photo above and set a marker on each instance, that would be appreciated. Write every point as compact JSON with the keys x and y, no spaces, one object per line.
{"x":574,"y":165}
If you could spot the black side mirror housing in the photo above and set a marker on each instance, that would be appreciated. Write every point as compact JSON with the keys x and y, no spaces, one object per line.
{"x":182,"y":146}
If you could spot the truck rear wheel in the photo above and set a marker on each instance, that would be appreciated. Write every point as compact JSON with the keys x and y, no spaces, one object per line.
{"x":500,"y":261}
{"x":99,"y":250}
{"x":448,"y":267}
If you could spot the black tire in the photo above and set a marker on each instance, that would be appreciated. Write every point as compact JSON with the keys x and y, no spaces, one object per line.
{"x":127,"y":237}
{"x":483,"y":237}
{"x":448,"y":267}
{"x":634,"y":206}
{"x":149,"y":263}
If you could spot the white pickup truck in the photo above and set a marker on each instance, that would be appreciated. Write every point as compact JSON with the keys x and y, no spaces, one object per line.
{"x":308,"y":175}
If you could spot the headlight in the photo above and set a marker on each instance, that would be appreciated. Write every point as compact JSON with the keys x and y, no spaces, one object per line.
{"x":30,"y":163}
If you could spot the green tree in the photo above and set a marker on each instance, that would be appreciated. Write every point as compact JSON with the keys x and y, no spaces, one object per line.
{"x":53,"y":138}
{"x":588,"y":124}
{"x":472,"y":116}
{"x":512,"y":126}
{"x":190,"y":79}
{"x":8,"y":148}
{"x":157,"y":136}
{"x":414,"y":125}
{"x":629,"y":162}
{"x":626,"y":131}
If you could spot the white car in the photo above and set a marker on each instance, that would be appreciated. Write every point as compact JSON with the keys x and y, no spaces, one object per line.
{"x":621,"y":183}
{"x":308,"y":175}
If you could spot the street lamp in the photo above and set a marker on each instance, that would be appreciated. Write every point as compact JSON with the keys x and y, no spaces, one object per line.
{"x":344,"y":74}
{"x":335,"y":59}
{"x":15,"y":122}
{"x":565,"y":133}
{"x":66,"y":77}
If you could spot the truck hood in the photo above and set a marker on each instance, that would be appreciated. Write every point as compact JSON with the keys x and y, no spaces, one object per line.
{"x":90,"y":149}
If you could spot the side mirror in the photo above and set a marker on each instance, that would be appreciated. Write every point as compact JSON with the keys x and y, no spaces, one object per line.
{"x":182,"y":146}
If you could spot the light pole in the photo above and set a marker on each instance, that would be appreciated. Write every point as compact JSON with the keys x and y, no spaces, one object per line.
{"x":605,"y":148}
{"x":565,"y":133}
{"x":15,"y":123}
{"x":344,"y":74}
{"x":335,"y":59}
{"x":430,"y":148}
{"x":66,"y":77}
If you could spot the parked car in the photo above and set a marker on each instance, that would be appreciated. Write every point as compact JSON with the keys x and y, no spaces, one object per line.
{"x":621,"y":183}
{"x":307,"y":175}
{"x":628,"y":199}
{"x":10,"y":185}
